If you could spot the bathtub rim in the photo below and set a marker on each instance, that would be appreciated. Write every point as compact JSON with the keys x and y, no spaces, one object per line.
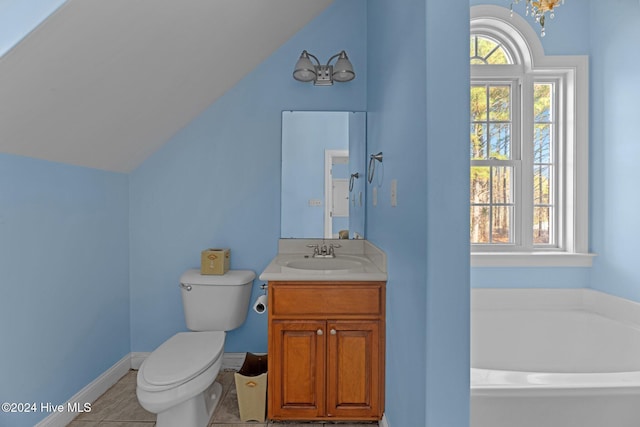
{"x":493,"y":382}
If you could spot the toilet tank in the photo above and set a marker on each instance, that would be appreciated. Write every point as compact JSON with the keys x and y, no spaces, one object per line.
{"x":216,"y":302}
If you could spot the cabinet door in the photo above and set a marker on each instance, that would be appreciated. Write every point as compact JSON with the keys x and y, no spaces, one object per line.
{"x":298,"y":356}
{"x":354,"y":369}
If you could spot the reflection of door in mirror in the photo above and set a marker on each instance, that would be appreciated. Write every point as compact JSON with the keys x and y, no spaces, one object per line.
{"x":336,"y":194}
{"x":305,"y":206}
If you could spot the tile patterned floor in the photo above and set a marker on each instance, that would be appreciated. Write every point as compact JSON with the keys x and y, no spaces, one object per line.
{"x":119,"y":407}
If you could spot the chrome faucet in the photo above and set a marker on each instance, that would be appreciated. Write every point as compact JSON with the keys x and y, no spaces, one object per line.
{"x":324,"y":251}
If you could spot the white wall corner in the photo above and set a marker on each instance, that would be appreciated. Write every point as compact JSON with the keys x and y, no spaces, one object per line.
{"x":384,"y":422}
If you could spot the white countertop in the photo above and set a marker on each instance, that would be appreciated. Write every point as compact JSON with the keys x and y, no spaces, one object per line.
{"x":373,"y":260}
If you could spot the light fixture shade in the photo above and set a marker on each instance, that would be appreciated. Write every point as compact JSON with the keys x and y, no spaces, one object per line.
{"x":304,"y":70}
{"x":343,"y":69}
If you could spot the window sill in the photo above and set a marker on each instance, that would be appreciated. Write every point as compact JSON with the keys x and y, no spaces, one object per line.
{"x":531,"y":259}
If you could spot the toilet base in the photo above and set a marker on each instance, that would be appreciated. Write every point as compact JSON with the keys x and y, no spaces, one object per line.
{"x":195,"y":412}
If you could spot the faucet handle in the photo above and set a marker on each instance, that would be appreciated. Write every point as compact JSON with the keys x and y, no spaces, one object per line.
{"x":332,"y":246}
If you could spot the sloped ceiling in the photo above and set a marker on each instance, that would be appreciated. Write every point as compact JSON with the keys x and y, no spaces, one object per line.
{"x":104,"y":83}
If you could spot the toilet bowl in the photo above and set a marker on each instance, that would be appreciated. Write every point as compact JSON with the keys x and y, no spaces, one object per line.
{"x":177,"y":380}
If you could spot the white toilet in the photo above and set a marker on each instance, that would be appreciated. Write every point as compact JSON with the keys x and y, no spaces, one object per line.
{"x":177,"y":380}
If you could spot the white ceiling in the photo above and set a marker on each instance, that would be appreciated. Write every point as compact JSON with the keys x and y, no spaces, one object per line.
{"x":104,"y":83}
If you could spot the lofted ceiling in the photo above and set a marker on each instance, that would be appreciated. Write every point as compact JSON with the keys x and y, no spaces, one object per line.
{"x":104,"y":83}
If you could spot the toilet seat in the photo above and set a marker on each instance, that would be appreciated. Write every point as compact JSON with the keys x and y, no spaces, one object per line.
{"x":181,"y":358}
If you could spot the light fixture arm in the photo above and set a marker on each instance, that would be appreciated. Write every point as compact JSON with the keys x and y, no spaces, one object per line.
{"x":312,"y":56}
{"x":334,"y":57}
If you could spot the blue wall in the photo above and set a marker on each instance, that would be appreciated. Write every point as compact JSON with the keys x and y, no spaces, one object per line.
{"x":615,"y":146}
{"x":217,"y":182}
{"x":64,"y":268}
{"x":416,"y":123}
{"x":447,"y":214}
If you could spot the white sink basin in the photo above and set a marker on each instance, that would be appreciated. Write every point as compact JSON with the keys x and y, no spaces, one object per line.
{"x":356,"y":261}
{"x":325,"y":265}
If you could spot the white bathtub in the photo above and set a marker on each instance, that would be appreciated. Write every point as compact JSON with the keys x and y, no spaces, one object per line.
{"x":554,"y":358}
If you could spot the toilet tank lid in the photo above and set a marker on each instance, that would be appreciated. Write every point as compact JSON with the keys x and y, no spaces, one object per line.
{"x":230,"y":278}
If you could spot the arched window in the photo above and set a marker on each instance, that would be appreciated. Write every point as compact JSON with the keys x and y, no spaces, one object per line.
{"x":528,"y":147}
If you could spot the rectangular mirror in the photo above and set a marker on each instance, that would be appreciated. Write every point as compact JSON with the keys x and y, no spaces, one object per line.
{"x":323,"y":174}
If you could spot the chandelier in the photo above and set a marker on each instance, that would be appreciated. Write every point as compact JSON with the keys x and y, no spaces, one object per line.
{"x":539,"y":9}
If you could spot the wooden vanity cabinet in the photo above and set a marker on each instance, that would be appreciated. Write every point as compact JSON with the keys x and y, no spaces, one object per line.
{"x":326,"y":350}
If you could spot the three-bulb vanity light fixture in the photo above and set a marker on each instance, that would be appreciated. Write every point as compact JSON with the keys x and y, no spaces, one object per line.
{"x":324,"y":75}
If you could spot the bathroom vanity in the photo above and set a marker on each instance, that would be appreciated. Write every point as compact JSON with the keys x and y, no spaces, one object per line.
{"x":326,"y":332}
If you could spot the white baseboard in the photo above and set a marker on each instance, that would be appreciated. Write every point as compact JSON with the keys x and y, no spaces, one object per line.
{"x":383,"y":422}
{"x":88,"y":394}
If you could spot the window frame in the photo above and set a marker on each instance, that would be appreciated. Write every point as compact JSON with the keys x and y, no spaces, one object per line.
{"x":570,"y":74}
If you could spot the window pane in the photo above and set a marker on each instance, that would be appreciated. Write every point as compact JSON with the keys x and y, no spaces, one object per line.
{"x":491,"y":187}
{"x":501,"y":185}
{"x":500,"y":103}
{"x":542,"y":143}
{"x":479,"y":224}
{"x":541,"y":225}
{"x":500,"y":135}
{"x":483,"y":50}
{"x":492,"y":204}
{"x":478,"y":103}
{"x":485,"y":46}
{"x":479,"y":184}
{"x":542,"y":93}
{"x":541,"y":185}
{"x":501,"y":224}
{"x":491,"y":110}
{"x":479,"y":141}
{"x":499,"y":57}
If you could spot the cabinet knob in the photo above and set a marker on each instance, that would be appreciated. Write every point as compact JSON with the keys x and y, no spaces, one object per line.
{"x":319,"y":332}
{"x":333,"y":331}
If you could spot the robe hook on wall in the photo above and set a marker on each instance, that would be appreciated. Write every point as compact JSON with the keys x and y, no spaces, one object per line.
{"x":372,"y":165}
